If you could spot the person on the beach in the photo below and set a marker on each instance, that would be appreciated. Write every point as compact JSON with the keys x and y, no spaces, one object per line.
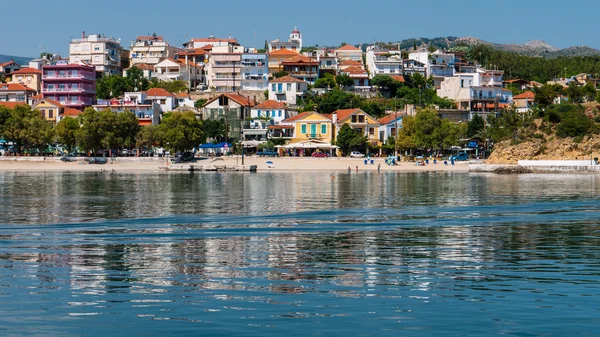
{"x":378,"y":167}
{"x":356,"y":168}
{"x":349,"y":170}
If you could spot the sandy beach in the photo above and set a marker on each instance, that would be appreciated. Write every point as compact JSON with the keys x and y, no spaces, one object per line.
{"x":287,"y":164}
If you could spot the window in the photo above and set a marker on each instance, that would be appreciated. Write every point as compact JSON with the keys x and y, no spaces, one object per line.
{"x":303,"y":129}
{"x":268,"y":114}
{"x":289,"y":87}
{"x":361,"y":118}
{"x":323,"y":128}
{"x":258,"y":113}
{"x":163,"y":101}
{"x":20,"y":98}
{"x":279,"y":87}
{"x":43,"y":112}
{"x":279,"y":113}
{"x":371,"y":131}
{"x":462,"y":83}
{"x":74,"y":99}
{"x":273,"y":87}
{"x":96,"y":48}
{"x":96,"y":59}
{"x":50,"y":113}
{"x":354,"y":119}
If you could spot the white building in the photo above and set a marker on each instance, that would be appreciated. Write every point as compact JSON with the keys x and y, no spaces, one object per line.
{"x":386,"y":62}
{"x":103,"y":53}
{"x":349,"y":52}
{"x":196,"y":43}
{"x":294,"y":43}
{"x":268,"y":113}
{"x":151,"y":50}
{"x":177,"y":70}
{"x":254,"y":71}
{"x":287,"y":89}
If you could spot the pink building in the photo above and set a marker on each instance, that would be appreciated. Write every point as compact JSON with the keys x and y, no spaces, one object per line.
{"x":72,"y":85}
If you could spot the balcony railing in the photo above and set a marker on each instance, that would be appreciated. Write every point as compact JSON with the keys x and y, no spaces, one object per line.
{"x":74,"y":90}
{"x":313,"y":135}
{"x":67,"y":76}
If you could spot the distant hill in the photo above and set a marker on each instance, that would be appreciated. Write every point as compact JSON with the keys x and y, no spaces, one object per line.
{"x":19,"y":59}
{"x":531,"y":48}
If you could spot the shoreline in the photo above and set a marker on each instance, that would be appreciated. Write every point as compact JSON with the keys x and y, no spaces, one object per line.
{"x":278,"y":164}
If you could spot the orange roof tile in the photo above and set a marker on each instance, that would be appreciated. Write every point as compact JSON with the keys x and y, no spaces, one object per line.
{"x":71,"y":112}
{"x":208,"y":47}
{"x":298,"y":117}
{"x":287,"y":79}
{"x":193,"y":52}
{"x":300,"y":59}
{"x":241,"y":100}
{"x":158,"y":92}
{"x":51,"y":101}
{"x":270,"y":104}
{"x":347,"y":47}
{"x":399,"y":78}
{"x":183,"y":95}
{"x":355,"y":70}
{"x":143,"y":66}
{"x":11,"y":105}
{"x":346,"y":113}
{"x":350,"y":63}
{"x":283,"y":52}
{"x":8,"y":63}
{"x":14,"y":87}
{"x":38,"y":96}
{"x":525,"y":95}
{"x":27,"y":71}
{"x":280,"y":127}
{"x":389,"y":118}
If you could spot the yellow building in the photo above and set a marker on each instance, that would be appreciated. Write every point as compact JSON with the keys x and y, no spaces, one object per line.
{"x":357,"y":120}
{"x":50,"y":109}
{"x":29,"y":77}
{"x":312,"y":132}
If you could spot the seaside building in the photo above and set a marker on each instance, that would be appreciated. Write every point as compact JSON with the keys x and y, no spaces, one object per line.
{"x":389,"y":126}
{"x":277,"y":57}
{"x":29,"y":77}
{"x":294,"y":43}
{"x":263,"y":116}
{"x":308,"y":132}
{"x":358,"y":120}
{"x":524,"y":102}
{"x":349,"y":52}
{"x":479,"y":92}
{"x":7,"y":68}
{"x":103,"y":53}
{"x":380,"y":61}
{"x":49,"y":109}
{"x":287,"y":89}
{"x":151,"y":50}
{"x":302,"y":67}
{"x":145,"y":109}
{"x":254,"y":71}
{"x":14,"y":92}
{"x":199,"y":43}
{"x":72,"y":85}
{"x":232,"y":108}
{"x":169,"y":70}
{"x":360,"y":77}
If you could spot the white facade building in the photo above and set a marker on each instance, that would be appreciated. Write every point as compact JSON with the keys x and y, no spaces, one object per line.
{"x":387,"y":62}
{"x":151,"y":50}
{"x":287,"y":89}
{"x":103,"y":53}
{"x":294,"y":43}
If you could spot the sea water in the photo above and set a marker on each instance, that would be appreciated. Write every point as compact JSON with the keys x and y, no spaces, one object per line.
{"x":299,"y":254}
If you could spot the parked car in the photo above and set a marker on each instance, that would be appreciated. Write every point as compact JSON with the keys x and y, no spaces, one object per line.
{"x":461,"y":156}
{"x":320,"y":154}
{"x":267,"y":153}
{"x":184,"y":157}
{"x":356,"y":154}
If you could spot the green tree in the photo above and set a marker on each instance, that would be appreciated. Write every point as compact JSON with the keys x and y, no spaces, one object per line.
{"x":327,"y":81}
{"x":427,"y":120}
{"x":280,"y":74}
{"x":27,"y":128}
{"x":589,"y":92}
{"x":347,"y":138}
{"x":4,"y":116}
{"x":344,"y":80}
{"x":475,"y":126}
{"x":573,"y":123}
{"x":66,"y":132}
{"x":574,"y":93}
{"x":546,"y":94}
{"x":89,"y":136}
{"x":387,"y":84}
{"x":214,"y":129}
{"x":172,"y":87}
{"x":200,"y":103}
{"x":407,"y":134}
{"x":135,"y":80}
{"x":147,"y":137}
{"x":127,"y":127}
{"x":180,"y":131}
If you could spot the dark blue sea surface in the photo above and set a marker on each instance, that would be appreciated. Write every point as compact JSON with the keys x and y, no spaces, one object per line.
{"x":299,"y":254}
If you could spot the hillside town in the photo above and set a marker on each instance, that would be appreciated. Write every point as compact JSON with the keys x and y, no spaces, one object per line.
{"x":271,"y":95}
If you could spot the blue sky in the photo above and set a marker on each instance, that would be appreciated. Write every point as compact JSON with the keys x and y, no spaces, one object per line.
{"x":53,"y":24}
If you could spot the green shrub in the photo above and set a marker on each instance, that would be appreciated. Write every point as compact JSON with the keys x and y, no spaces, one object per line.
{"x":573,"y":124}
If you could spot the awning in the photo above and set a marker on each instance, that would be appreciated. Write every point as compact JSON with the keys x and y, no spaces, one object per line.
{"x":308,"y":145}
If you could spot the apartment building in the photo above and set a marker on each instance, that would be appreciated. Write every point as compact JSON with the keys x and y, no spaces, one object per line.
{"x":72,"y":85}
{"x":103,"y":53}
{"x":151,"y":50}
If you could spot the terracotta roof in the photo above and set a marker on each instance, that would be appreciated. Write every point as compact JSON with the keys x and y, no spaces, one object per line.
{"x":51,"y":101}
{"x":350,"y":63}
{"x":193,"y":52}
{"x":183,"y":95}
{"x":345,"y":113}
{"x":14,"y":87}
{"x":525,"y":95}
{"x":298,"y":117}
{"x":27,"y":71}
{"x":208,"y":47}
{"x":399,"y":78}
{"x":347,"y":47}
{"x":8,"y":63}
{"x":71,"y":112}
{"x":11,"y":105}
{"x":235,"y":97}
{"x":355,"y":70}
{"x":300,"y":59}
{"x":158,"y":92}
{"x":143,"y":66}
{"x":283,"y":52}
{"x":38,"y":96}
{"x":270,"y":104}
{"x":515,"y":80}
{"x":286,"y":79}
{"x":389,"y":118}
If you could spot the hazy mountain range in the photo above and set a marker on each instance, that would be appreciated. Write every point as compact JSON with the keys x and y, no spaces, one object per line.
{"x":19,"y":59}
{"x":531,"y":48}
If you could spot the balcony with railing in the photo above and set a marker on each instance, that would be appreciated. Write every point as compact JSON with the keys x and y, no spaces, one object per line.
{"x":78,"y":76}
